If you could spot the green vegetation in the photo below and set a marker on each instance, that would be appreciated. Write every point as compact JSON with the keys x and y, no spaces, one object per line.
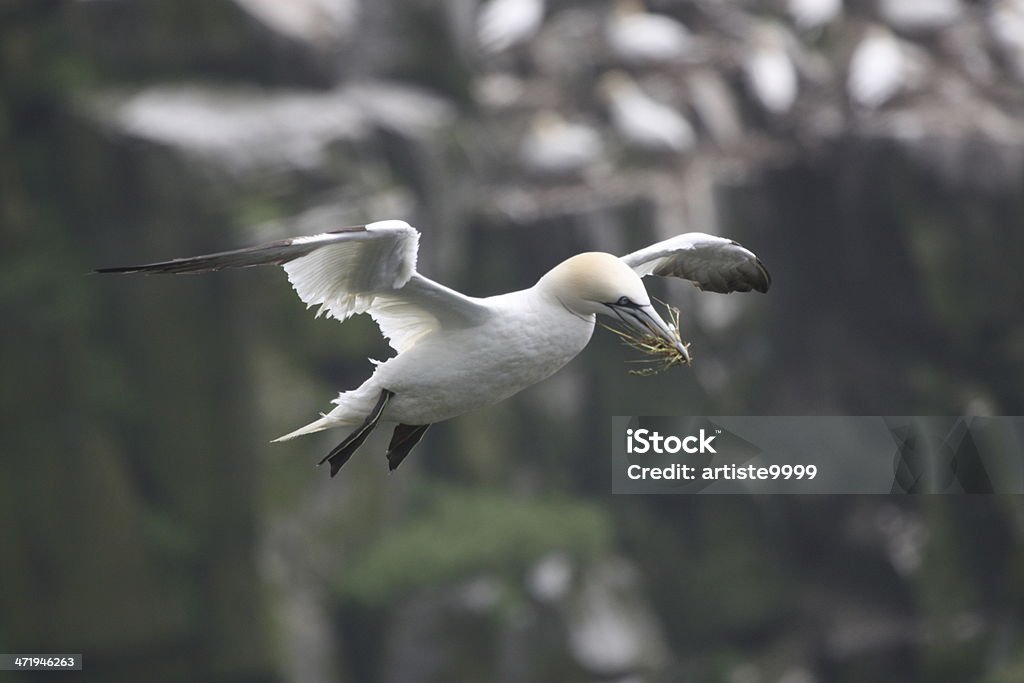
{"x":460,"y":534}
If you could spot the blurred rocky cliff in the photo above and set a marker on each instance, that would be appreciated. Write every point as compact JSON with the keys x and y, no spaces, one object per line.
{"x":871,"y":151}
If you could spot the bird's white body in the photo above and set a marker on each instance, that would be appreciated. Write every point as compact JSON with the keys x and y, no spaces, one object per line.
{"x":527,"y":338}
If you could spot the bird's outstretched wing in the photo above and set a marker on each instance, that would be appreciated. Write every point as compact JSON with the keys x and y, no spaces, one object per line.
{"x":714,"y":264}
{"x":366,"y":269}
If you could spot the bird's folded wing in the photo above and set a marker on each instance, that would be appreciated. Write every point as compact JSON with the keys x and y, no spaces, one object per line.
{"x":714,"y":264}
{"x":370,"y":268}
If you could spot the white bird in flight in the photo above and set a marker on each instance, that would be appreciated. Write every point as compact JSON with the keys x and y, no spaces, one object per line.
{"x":457,"y":352}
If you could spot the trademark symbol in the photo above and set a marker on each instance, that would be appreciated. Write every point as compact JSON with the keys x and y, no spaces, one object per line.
{"x":718,"y":431}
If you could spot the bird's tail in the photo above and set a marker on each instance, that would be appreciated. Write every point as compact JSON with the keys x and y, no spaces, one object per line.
{"x":325,"y":422}
{"x":352,"y":408}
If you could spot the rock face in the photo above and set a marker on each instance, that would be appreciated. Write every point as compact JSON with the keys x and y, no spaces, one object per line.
{"x":870,"y":152}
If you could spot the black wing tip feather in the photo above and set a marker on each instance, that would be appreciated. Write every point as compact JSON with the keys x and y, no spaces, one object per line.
{"x":112,"y":269}
{"x":167,"y":268}
{"x":204,"y":263}
{"x":235,"y":258}
{"x":125,"y":270}
{"x":747,"y":274}
{"x":765,"y":282}
{"x":728,"y":282}
{"x":761,"y":284}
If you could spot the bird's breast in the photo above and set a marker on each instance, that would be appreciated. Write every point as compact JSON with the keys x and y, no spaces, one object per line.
{"x":453,"y":371}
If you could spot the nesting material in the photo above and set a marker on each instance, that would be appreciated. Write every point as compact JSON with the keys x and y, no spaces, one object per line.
{"x":661,"y":353}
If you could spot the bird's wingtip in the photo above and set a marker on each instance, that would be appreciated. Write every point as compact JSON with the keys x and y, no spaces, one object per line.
{"x":119,"y":270}
{"x":765,"y":282}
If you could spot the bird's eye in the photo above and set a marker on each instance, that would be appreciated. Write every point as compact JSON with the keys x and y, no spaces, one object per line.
{"x":624,"y":301}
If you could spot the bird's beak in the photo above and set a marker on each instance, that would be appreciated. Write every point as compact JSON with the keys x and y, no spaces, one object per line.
{"x":646,"y":320}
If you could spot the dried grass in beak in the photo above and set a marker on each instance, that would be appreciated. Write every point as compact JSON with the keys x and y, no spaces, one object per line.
{"x":663,"y":353}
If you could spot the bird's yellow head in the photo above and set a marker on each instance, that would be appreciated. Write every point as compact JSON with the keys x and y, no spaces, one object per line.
{"x":593,"y":282}
{"x":596,"y":283}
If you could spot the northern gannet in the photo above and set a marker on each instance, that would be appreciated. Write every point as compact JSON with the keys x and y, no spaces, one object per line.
{"x":639,"y":37}
{"x":554,"y":146}
{"x":769,"y":71}
{"x":642,"y":122}
{"x":456,"y":352}
{"x":810,"y":15}
{"x":503,"y":24}
{"x":922,"y":15}
{"x":878,"y":68}
{"x":1006,"y":25}
{"x":322,"y":23}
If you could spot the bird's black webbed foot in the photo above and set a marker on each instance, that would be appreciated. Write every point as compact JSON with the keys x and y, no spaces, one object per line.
{"x":344,"y":450}
{"x":403,"y":440}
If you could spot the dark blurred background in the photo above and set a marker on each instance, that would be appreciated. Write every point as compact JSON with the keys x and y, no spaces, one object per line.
{"x":870,"y":152}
